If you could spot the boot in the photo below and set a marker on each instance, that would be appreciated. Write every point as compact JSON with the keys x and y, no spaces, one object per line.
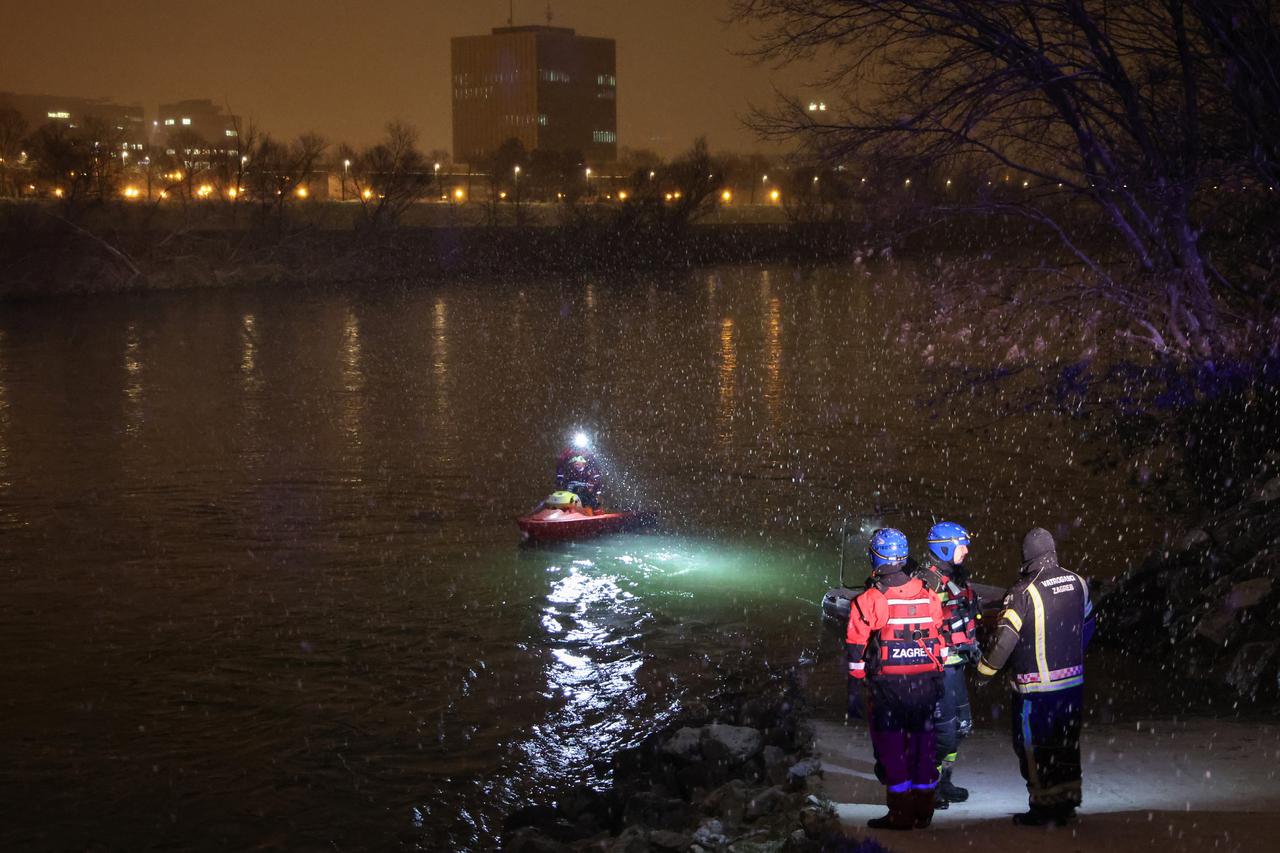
{"x":947,"y":791}
{"x":923,"y":805}
{"x":1044,"y":816}
{"x":901,"y":814}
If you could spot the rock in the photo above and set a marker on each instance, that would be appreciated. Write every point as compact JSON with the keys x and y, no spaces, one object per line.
{"x":663,"y":840}
{"x":819,"y":821}
{"x":1248,"y":593}
{"x":633,"y":839}
{"x":1250,"y":665}
{"x":685,"y":744}
{"x":696,"y":711}
{"x":710,"y":834}
{"x":757,"y":713}
{"x":732,"y":744}
{"x":751,"y":845}
{"x":775,"y":765}
{"x":1269,"y":492}
{"x":1193,"y":539}
{"x":657,"y":812}
{"x":800,"y":772}
{"x":764,"y":803}
{"x":531,"y":840}
{"x":729,"y":801}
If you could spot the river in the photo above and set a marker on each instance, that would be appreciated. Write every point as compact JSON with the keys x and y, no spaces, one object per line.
{"x":261,"y":582}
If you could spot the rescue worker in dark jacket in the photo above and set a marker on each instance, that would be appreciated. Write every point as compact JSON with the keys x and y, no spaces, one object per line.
{"x":1044,"y":628}
{"x":577,"y":471}
{"x":946,"y":574}
{"x":893,"y":644}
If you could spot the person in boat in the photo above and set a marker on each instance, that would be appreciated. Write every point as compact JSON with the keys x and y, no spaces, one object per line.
{"x":1044,"y":627}
{"x":578,"y":471}
{"x":894,"y":645}
{"x":946,"y":573}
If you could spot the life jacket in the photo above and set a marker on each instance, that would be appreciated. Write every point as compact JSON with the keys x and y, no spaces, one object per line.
{"x":908,"y":641}
{"x":960,"y":608}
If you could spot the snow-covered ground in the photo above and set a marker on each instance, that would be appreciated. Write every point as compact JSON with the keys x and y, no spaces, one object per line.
{"x":1188,"y":786}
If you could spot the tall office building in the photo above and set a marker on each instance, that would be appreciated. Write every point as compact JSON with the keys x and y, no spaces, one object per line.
{"x":546,"y":86}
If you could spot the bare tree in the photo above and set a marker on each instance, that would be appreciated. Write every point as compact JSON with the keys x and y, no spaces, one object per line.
{"x":1111,"y":106}
{"x":275,"y":170}
{"x":13,"y":127}
{"x":390,"y":176}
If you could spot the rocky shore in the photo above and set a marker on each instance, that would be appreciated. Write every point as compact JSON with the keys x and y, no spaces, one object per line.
{"x":737,"y":775}
{"x":1207,"y":607}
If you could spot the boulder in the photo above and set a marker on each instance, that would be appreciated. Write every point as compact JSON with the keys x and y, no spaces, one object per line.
{"x":1249,"y":667}
{"x":731,"y":744}
{"x":766,"y":802}
{"x":1248,"y":593}
{"x":710,"y":834}
{"x":800,"y":772}
{"x":1269,"y":492}
{"x":819,"y":821}
{"x":685,"y":744}
{"x":729,"y":801}
{"x":775,"y":764}
{"x":633,"y":839}
{"x":662,"y":839}
{"x":657,"y":812}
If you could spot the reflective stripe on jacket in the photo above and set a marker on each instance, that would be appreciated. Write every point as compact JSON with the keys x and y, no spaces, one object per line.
{"x":895,"y":630}
{"x":1043,"y":629}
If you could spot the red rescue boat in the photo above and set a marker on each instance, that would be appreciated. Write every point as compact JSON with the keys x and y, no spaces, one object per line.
{"x":549,"y":524}
{"x":561,"y":516}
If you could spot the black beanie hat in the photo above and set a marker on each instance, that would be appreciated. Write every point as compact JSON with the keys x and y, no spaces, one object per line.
{"x":1037,"y":543}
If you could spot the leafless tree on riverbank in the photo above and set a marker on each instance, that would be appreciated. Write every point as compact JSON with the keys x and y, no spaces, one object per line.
{"x":1133,"y":110}
{"x":388,"y":177}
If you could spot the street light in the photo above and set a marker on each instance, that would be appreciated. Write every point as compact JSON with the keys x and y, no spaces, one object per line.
{"x":346,"y":166}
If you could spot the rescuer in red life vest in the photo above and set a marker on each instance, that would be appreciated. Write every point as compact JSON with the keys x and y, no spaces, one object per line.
{"x":894,"y":644}
{"x":946,"y":574}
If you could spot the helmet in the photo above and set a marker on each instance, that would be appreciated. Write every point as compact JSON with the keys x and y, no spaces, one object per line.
{"x":578,"y":462}
{"x":888,"y":548}
{"x":944,"y":537}
{"x":563,"y":500}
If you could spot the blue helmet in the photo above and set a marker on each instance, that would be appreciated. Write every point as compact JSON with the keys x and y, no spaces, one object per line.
{"x":888,"y":548}
{"x":944,"y":537}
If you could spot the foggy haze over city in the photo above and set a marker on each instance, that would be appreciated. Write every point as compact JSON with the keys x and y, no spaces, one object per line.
{"x":344,"y":69}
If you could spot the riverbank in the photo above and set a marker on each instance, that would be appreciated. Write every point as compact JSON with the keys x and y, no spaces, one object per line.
{"x":1168,"y":785}
{"x":44,"y":256}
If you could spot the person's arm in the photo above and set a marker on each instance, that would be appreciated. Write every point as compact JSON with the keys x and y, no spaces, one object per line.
{"x":865,"y":616}
{"x":1005,"y":641}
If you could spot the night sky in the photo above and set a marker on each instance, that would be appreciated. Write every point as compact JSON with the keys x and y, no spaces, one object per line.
{"x":345,"y":68}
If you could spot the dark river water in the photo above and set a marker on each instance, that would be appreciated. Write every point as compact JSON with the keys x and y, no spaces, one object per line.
{"x":259,"y":576}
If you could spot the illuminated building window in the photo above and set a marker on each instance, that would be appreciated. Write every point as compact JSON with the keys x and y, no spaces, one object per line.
{"x":186,"y":121}
{"x":542,"y":119}
{"x":60,"y":114}
{"x":168,"y":121}
{"x":231,"y":133}
{"x":603,"y":136}
{"x":606,"y":80}
{"x":550,"y":76}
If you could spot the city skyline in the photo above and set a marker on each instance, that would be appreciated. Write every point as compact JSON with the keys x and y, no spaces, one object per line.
{"x":674,"y":82}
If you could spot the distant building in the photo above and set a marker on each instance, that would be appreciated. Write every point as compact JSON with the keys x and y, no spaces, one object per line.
{"x":121,"y":125}
{"x":546,"y":86}
{"x":217,"y":131}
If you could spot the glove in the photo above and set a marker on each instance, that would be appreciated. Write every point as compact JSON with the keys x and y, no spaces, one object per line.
{"x":855,"y":705}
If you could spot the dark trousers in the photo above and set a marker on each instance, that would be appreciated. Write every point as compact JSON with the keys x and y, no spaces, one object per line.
{"x":1046,"y":737}
{"x":903,"y":739}
{"x":955,"y":721}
